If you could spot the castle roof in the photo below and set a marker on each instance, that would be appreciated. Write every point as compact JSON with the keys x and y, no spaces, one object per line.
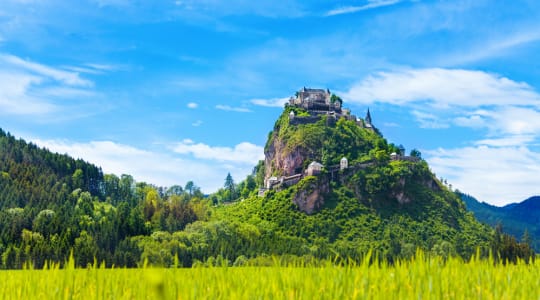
{"x":309,"y":90}
{"x":368,"y":117}
{"x":315,"y":164}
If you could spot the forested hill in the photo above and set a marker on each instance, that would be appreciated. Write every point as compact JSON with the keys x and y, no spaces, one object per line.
{"x":52,"y":205}
{"x":37,"y":178}
{"x":518,"y":219}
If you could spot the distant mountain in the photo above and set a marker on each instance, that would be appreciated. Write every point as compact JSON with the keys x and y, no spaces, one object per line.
{"x":515,"y":217}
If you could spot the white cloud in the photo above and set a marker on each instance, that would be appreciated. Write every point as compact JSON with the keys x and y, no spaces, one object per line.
{"x":90,"y":68}
{"x":442,"y":88}
{"x":516,"y":120}
{"x":518,"y":140}
{"x":505,"y":120}
{"x":494,"y":47}
{"x":156,"y":167}
{"x":274,"y":102}
{"x":66,"y":77}
{"x":472,"y":121}
{"x":229,"y":108}
{"x":197,"y":123}
{"x":427,"y":120}
{"x":15,"y":97}
{"x":192,"y":105}
{"x":28,"y":88}
{"x":498,"y":175}
{"x":352,"y":9}
{"x":244,"y":153}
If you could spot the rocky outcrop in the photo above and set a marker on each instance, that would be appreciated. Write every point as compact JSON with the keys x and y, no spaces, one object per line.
{"x":281,"y":161}
{"x":310,"y":194}
{"x":399,"y":194}
{"x":402,"y":198}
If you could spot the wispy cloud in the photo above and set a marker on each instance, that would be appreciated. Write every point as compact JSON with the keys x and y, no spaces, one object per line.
{"x":427,"y":120}
{"x":15,"y":97}
{"x":69,"y":78}
{"x":442,"y":88}
{"x":273,"y":102}
{"x":90,"y":68}
{"x":30,"y":88}
{"x":197,"y":123}
{"x":352,"y":9}
{"x":493,"y":47}
{"x":473,"y":99}
{"x":497,"y":175}
{"x":516,"y":140}
{"x":245,"y":152}
{"x":192,"y":105}
{"x":160,"y":167}
{"x":235,"y":109}
{"x":505,"y":120}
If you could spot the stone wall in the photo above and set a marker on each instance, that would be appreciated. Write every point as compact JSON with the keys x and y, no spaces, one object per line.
{"x":304,"y":120}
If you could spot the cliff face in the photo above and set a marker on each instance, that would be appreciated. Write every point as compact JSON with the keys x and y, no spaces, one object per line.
{"x":281,"y":161}
{"x":311,"y":193}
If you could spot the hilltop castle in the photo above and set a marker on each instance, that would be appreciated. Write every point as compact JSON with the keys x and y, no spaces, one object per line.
{"x":320,"y":102}
{"x":316,"y":100}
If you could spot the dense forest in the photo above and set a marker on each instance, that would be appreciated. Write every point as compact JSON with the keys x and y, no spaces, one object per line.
{"x":53,"y":206}
{"x":518,"y":219}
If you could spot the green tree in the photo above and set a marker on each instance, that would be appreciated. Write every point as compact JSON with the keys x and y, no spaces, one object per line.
{"x":190,"y":187}
{"x":78,"y":179}
{"x":416,"y":153}
{"x":85,"y":249}
{"x":229,"y":186}
{"x":174,"y":190}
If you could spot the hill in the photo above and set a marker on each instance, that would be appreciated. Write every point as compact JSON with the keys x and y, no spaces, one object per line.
{"x":515,"y":218}
{"x":36,"y":178}
{"x":52,"y":204}
{"x":380,"y":199}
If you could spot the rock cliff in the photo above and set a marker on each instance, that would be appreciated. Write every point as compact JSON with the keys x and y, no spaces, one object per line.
{"x":310,"y":193}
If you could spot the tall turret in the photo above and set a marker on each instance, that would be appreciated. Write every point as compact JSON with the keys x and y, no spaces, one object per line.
{"x":368,"y":117}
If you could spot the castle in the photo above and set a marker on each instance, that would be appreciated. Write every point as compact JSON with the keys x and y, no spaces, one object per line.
{"x":320,"y":102}
{"x":316,"y":100}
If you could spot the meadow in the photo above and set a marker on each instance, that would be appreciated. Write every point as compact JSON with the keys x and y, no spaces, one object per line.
{"x":416,"y":279}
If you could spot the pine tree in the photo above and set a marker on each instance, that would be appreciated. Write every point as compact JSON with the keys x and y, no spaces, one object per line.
{"x":229,"y":186}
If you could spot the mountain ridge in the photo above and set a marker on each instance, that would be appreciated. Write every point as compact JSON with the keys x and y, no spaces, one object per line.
{"x":515,"y":218}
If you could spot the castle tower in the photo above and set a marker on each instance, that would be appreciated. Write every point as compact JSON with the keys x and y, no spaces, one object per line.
{"x":368,"y":117}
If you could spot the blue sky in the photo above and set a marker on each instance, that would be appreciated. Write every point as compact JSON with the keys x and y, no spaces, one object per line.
{"x":171,"y":91}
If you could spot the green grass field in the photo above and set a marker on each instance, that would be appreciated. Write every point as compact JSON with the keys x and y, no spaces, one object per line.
{"x":420,"y":279}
